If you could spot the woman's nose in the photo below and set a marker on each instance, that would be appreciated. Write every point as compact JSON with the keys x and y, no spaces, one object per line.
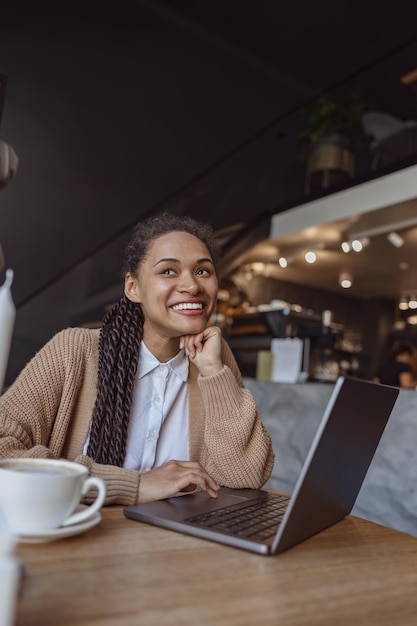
{"x":189,"y":284}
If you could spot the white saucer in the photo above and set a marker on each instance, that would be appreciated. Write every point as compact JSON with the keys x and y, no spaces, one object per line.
{"x":61,"y":532}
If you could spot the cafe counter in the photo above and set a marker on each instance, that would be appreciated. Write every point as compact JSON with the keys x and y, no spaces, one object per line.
{"x":292,"y":412}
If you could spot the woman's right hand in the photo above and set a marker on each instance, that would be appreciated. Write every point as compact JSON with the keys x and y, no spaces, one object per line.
{"x":174,"y":477}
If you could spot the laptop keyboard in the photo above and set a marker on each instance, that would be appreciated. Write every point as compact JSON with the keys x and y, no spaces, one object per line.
{"x":258,"y":519}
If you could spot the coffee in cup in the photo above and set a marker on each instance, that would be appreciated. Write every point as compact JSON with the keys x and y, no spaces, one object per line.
{"x":39,"y":495}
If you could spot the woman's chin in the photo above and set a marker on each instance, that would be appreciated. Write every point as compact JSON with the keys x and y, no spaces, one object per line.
{"x":192,"y":327}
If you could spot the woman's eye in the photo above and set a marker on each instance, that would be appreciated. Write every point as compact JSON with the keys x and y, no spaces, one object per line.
{"x":168,"y":271}
{"x":203,"y":271}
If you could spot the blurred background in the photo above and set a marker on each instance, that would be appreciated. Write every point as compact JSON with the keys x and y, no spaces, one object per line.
{"x":223,"y":110}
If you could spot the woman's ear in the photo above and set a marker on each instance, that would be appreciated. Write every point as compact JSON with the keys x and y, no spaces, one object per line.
{"x":132,"y":291}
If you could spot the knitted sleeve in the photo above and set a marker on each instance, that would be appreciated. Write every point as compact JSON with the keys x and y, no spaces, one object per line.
{"x":238,"y":449}
{"x":39,"y":409}
{"x":29,"y":407}
{"x":122,"y":485}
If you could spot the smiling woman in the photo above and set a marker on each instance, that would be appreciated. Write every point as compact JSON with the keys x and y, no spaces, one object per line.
{"x":153,"y":402}
{"x":176,"y":286}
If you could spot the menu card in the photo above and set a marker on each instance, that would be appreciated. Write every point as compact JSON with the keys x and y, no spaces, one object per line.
{"x":287,"y":360}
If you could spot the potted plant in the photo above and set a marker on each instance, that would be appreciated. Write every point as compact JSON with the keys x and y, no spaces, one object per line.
{"x":333,"y":129}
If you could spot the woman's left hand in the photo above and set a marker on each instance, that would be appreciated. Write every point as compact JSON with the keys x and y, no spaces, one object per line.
{"x":204,"y":349}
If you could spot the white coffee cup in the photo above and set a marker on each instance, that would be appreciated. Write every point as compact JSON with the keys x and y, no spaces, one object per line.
{"x":38,"y":495}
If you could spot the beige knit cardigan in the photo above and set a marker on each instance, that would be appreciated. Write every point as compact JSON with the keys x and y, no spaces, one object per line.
{"x":47,"y":413}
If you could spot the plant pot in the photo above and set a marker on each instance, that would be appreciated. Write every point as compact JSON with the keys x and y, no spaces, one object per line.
{"x":331,"y":162}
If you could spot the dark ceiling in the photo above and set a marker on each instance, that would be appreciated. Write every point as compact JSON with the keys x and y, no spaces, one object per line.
{"x":117,"y":110}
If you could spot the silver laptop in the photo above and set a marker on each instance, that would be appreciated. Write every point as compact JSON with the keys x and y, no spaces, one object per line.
{"x":325,"y":492}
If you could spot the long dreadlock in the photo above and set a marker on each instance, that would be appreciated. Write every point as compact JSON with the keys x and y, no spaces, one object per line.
{"x":120,"y":339}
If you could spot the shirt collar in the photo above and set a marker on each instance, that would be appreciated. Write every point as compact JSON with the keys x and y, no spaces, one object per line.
{"x":178,"y":365}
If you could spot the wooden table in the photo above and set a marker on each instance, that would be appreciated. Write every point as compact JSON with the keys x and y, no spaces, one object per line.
{"x":124,"y":572}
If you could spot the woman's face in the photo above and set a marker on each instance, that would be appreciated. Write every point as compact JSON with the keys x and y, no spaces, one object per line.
{"x":176,"y":286}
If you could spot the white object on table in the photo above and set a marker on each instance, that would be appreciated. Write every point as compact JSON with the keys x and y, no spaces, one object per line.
{"x":9,"y":574}
{"x":7,"y":318}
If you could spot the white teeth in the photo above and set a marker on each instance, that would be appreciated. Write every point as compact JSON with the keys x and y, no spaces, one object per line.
{"x":187,"y":305}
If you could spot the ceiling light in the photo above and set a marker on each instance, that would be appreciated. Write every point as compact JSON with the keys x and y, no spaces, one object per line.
{"x":357,"y":244}
{"x":360,"y":244}
{"x":283,"y":262}
{"x":412,"y":304}
{"x":395,"y":239}
{"x":310,"y":256}
{"x":403,"y":304}
{"x":346,"y":280}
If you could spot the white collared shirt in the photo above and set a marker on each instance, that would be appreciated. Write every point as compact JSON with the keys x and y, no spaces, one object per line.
{"x":158,"y":428}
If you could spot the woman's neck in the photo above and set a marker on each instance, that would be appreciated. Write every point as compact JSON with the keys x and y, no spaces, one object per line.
{"x":163,"y":350}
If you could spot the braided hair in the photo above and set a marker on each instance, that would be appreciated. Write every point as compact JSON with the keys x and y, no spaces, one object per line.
{"x":120,"y":339}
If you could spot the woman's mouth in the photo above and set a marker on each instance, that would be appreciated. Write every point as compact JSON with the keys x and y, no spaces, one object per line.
{"x":188,"y":306}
